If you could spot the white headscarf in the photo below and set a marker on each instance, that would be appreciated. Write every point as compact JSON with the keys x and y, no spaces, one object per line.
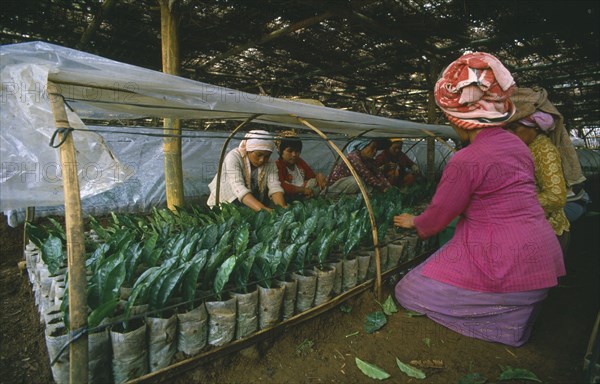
{"x":257,"y":140}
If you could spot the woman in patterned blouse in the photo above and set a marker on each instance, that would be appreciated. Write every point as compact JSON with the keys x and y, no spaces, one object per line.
{"x":361,"y":153}
{"x":549,"y":180}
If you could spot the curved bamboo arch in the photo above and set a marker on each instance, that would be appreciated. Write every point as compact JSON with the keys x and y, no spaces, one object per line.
{"x":363,"y":191}
{"x":222,"y":156}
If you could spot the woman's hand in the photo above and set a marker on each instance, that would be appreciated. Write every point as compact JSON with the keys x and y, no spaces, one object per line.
{"x":307,"y":192}
{"x":405,"y":220}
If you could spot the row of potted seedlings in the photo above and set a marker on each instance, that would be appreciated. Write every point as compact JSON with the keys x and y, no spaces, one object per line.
{"x":168,"y":285}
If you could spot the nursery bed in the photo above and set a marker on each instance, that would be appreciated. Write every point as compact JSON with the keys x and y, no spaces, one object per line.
{"x":554,"y":353}
{"x":269,"y":333}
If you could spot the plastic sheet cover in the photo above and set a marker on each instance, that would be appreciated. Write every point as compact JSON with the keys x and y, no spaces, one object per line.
{"x":31,"y":173}
{"x":99,"y":88}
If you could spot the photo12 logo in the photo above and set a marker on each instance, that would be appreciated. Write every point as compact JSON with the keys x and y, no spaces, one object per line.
{"x":52,"y":172}
{"x":36,"y":92}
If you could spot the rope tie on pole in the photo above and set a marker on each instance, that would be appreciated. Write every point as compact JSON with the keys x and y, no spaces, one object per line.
{"x":64,"y":132}
{"x":65,"y":128}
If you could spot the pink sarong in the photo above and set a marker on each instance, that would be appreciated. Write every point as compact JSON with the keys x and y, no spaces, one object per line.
{"x":505,"y":318}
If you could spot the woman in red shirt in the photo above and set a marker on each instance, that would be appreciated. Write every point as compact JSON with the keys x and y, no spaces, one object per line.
{"x":297,"y":178}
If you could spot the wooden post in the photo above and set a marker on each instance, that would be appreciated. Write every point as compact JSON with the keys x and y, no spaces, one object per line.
{"x":78,"y":309}
{"x":171,"y":145}
{"x":431,"y":109}
{"x":29,"y":217}
{"x":363,"y":191}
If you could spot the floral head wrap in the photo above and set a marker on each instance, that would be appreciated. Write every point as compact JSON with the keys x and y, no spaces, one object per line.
{"x":474,"y":91}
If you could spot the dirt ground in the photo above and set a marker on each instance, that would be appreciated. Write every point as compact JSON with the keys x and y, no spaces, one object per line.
{"x":323,"y":349}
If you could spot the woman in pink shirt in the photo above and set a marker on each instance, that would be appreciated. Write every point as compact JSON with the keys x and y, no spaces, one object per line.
{"x":488,"y":281}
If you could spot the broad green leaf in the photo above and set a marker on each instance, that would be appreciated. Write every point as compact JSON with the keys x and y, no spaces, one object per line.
{"x":473,"y":378}
{"x":52,"y":254}
{"x":414,"y":314}
{"x":190,"y":280}
{"x":375,"y":321}
{"x":154,"y":257}
{"x":102,"y":275}
{"x":210,"y":236}
{"x":114,"y":279}
{"x":288,"y":253}
{"x":309,"y":227}
{"x":353,"y":236}
{"x":57,"y":229}
{"x":225,"y":239}
{"x":299,"y":261}
{"x":262,"y":272}
{"x":99,"y":229}
{"x":132,"y":257}
{"x":410,"y":370}
{"x":265,"y":234}
{"x":389,"y":306}
{"x":139,"y":289}
{"x":510,"y":373}
{"x":223,"y":274}
{"x":240,"y":241}
{"x":325,"y":248}
{"x":371,"y":370}
{"x":260,"y":219}
{"x":294,"y":229}
{"x":154,"y":288}
{"x":100,"y":313}
{"x":96,"y":258}
{"x":36,"y":234}
{"x":179,"y":243}
{"x":168,"y":287}
{"x":213,"y":264}
{"x":189,"y":248}
{"x":120,"y":241}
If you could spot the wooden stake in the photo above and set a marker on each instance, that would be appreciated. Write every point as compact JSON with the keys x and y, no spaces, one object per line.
{"x":29,"y":217}
{"x":363,"y":191}
{"x":171,"y":145}
{"x":78,"y":350}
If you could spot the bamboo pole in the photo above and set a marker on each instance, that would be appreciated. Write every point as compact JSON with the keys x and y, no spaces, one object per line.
{"x":171,"y":145}
{"x":363,"y":191}
{"x":222,"y":156}
{"x":29,"y":217}
{"x":431,"y":140}
{"x":78,"y":349}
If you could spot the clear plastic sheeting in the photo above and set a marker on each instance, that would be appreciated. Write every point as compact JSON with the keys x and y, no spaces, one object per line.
{"x":99,"y":88}
{"x":102,"y":89}
{"x":141,"y":158}
{"x":31,"y":173}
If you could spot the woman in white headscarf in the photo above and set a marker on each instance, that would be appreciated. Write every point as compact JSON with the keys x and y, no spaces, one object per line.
{"x":248,"y":177}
